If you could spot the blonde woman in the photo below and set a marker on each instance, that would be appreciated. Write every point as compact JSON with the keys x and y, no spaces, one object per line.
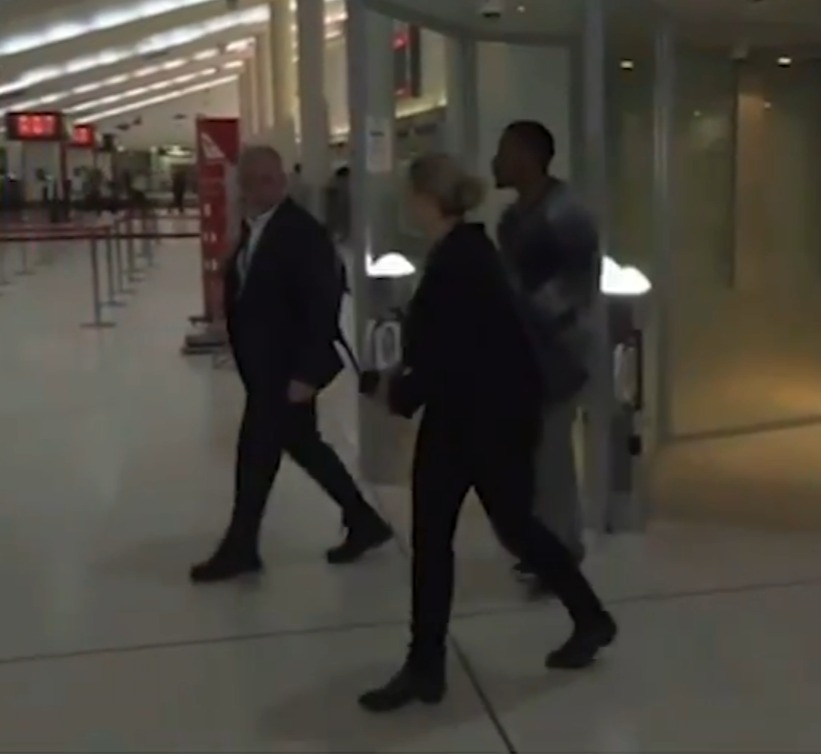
{"x":468,"y":364}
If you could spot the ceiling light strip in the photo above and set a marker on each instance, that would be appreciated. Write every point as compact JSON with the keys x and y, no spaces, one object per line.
{"x":160,"y":99}
{"x":154,"y":44}
{"x":111,"y":81}
{"x":139,"y":91}
{"x":157,"y":43}
{"x":106,"y":19}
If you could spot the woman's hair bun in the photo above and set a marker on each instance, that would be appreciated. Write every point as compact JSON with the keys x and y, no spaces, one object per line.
{"x":441,"y":178}
{"x":470,"y":193}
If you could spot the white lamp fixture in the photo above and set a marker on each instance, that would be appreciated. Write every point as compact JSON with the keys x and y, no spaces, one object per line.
{"x":390,"y":265}
{"x":622,"y":281}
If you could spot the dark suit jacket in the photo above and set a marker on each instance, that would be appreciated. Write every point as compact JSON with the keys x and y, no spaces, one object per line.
{"x":465,"y":350}
{"x":283,"y":322}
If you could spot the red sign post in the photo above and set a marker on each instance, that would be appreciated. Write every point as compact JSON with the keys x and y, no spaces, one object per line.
{"x":218,"y":147}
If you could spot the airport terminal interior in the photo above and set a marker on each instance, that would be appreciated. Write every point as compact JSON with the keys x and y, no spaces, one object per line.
{"x":692,"y":127}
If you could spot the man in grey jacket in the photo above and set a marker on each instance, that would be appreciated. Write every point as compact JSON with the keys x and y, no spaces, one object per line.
{"x":550,"y":242}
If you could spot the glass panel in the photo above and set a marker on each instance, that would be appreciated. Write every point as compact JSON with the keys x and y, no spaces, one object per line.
{"x":748,"y":253}
{"x":629,"y":116}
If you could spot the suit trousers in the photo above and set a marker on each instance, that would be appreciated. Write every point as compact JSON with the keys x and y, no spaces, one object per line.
{"x":556,"y":499}
{"x":269,"y":428}
{"x":452,"y":456}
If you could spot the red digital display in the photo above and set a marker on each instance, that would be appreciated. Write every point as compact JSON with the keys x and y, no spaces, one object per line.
{"x":83,"y":136}
{"x":34,"y":126}
{"x":407,"y":61}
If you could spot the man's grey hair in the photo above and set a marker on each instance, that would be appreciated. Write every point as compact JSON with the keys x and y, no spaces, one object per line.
{"x":255,"y":152}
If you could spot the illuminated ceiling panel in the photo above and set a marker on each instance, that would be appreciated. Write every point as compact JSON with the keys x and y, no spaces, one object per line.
{"x":151,"y":45}
{"x":103,"y":20}
{"x":131,"y":77}
{"x":154,"y":44}
{"x":159,"y":99}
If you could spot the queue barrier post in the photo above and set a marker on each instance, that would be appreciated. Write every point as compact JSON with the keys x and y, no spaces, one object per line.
{"x":97,"y":322}
{"x":111,"y":271}
{"x":4,"y":280}
{"x":25,"y":267}
{"x":131,"y":257}
{"x":148,"y":232}
{"x":121,"y":252}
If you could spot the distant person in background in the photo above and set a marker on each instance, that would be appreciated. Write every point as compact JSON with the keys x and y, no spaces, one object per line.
{"x":179,"y":186}
{"x":138,"y":196}
{"x":550,"y":243}
{"x":283,"y":292}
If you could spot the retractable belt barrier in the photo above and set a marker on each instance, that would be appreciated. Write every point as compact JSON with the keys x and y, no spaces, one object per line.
{"x":119,"y":240}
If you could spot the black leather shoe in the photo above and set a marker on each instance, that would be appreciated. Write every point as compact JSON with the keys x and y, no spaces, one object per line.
{"x":359,"y":540}
{"x":406,"y":687}
{"x":584,"y":645}
{"x":523,"y":572}
{"x":225,"y":567}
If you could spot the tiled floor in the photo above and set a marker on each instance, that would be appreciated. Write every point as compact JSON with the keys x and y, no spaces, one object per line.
{"x":115,"y":471}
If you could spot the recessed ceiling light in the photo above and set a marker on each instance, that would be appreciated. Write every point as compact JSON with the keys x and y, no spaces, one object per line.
{"x":627,"y":65}
{"x":785,"y":60}
{"x":521,"y":8}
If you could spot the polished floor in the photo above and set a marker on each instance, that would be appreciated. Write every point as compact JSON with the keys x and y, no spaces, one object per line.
{"x":115,"y":472}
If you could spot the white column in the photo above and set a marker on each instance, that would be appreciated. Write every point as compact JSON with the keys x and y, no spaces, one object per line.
{"x":246,"y":103}
{"x":253,"y":96}
{"x":462,"y":111}
{"x":383,"y":442}
{"x":263,"y":70}
{"x":600,"y":401}
{"x":663,"y":269}
{"x":313,"y":108}
{"x":283,"y":49}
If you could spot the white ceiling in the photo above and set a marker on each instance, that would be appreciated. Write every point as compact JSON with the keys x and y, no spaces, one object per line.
{"x":131,"y":61}
{"x":766,"y":22}
{"x":781,"y":23}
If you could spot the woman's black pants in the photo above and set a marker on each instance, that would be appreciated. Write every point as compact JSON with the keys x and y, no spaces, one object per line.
{"x":452,"y":456}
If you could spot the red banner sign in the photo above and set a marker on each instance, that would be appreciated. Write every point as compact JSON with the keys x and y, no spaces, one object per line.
{"x":218,"y":147}
{"x":35,"y":126}
{"x":84,"y":136}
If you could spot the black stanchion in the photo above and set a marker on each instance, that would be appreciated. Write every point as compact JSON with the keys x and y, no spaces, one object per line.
{"x":147,"y":231}
{"x":121,"y":264}
{"x":131,"y":257}
{"x":4,"y":280}
{"x":25,"y":267}
{"x":97,"y":323}
{"x":111,"y":286}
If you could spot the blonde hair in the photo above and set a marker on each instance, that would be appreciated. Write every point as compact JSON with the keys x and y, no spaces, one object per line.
{"x":454,"y":191}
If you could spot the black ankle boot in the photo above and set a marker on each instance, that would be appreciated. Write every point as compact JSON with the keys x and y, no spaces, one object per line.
{"x":360,"y":538}
{"x":582,"y":648}
{"x":411,"y":684}
{"x":225,"y":565}
{"x":236,"y":556}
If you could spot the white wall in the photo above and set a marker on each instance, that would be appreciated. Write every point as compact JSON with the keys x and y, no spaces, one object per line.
{"x":159,"y":125}
{"x":336,"y":79}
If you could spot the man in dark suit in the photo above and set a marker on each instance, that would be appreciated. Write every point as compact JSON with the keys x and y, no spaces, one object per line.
{"x":283,"y":291}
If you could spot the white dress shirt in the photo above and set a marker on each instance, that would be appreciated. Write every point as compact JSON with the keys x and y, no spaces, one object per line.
{"x":246,"y":255}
